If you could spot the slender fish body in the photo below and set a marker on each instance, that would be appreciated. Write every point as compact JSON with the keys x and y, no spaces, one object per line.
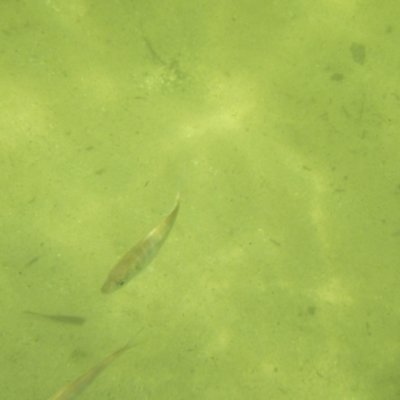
{"x":140,"y":255}
{"x":67,"y":319}
{"x":73,"y":389}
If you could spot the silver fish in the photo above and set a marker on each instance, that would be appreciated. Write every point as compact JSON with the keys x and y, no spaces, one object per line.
{"x":73,"y":389}
{"x":136,"y":259}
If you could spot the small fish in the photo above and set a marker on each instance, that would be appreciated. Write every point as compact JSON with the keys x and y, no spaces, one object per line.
{"x":66,"y":319}
{"x":136,"y":259}
{"x":73,"y":389}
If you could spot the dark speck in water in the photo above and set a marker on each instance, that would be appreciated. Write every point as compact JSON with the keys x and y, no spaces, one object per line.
{"x":358,"y":53}
{"x":337,"y":77}
{"x":311,"y":310}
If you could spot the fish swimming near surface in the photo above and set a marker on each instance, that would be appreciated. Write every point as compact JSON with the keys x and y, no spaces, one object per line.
{"x":73,"y":389}
{"x":137,"y":258}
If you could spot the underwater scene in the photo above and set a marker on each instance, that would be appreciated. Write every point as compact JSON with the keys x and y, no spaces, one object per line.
{"x":200,"y":200}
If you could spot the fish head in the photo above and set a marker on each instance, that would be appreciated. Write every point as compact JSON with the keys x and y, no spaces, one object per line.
{"x":115,"y":280}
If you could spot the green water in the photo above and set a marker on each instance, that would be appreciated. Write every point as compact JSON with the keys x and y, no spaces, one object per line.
{"x":277,"y":121}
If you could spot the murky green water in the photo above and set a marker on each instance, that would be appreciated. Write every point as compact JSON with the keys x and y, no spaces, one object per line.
{"x":277,"y":121}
